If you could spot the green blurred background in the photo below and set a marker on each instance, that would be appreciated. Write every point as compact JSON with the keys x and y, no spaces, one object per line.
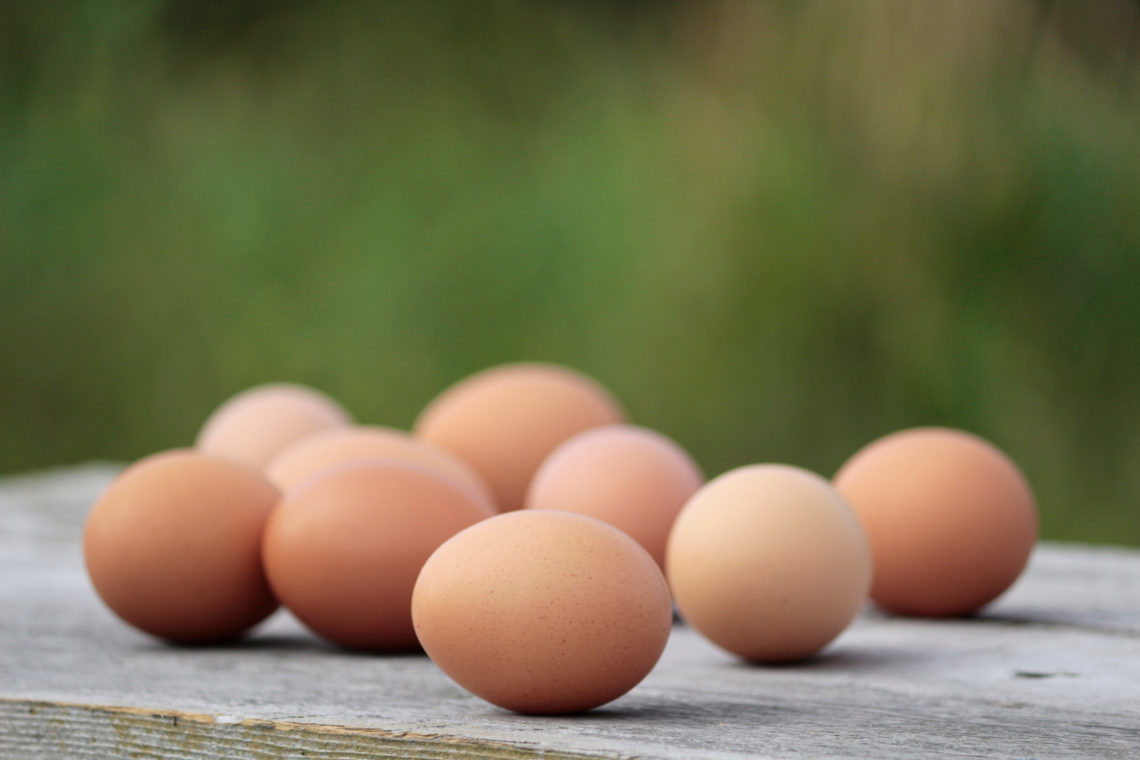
{"x":776,"y":230}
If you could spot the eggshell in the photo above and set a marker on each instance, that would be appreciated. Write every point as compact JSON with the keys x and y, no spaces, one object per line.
{"x":633,"y":478}
{"x":173,"y":546}
{"x":258,"y":424}
{"x":769,"y":562}
{"x":951,"y":519}
{"x":340,"y":445}
{"x":506,"y":420}
{"x":543,"y":612}
{"x":343,"y":550}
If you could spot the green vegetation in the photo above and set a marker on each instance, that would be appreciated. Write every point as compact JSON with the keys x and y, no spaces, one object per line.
{"x":777,"y":231}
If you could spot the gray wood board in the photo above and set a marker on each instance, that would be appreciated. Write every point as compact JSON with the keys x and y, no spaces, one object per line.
{"x":1051,"y":670}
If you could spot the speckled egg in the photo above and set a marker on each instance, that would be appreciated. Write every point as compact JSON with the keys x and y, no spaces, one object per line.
{"x":543,"y":612}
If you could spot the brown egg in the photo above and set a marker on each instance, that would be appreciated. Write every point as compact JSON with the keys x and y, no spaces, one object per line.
{"x":543,"y":612}
{"x":634,"y":479}
{"x":769,"y":562}
{"x":173,"y":546}
{"x":343,"y":550}
{"x":505,"y":420}
{"x":340,"y":445}
{"x":951,"y":519}
{"x":258,"y":424}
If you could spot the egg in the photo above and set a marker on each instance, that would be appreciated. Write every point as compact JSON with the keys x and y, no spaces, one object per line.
{"x":173,"y":547}
{"x":256,"y":425}
{"x":343,"y":550}
{"x":329,"y":448}
{"x":633,"y":478}
{"x":506,"y":420}
{"x":543,"y":612}
{"x":769,"y":562}
{"x":952,"y":520}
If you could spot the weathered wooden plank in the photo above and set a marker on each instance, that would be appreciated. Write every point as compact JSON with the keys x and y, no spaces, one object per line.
{"x":1052,"y":670}
{"x":52,"y":729}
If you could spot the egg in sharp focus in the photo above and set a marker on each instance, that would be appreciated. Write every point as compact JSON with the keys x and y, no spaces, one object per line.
{"x":543,"y":612}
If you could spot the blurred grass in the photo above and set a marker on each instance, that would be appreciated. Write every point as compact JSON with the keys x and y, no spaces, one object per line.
{"x":777,"y":231}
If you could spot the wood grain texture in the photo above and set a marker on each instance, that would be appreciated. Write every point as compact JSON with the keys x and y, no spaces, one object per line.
{"x":1050,"y":671}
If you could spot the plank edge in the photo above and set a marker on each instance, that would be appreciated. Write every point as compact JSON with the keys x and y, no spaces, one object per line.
{"x":76,"y":730}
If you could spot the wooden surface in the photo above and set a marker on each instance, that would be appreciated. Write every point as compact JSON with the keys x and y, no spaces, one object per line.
{"x":1051,"y":670}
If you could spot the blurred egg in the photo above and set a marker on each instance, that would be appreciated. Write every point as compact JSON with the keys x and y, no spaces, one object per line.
{"x":258,"y":424}
{"x":543,"y":612}
{"x":951,"y":519}
{"x":633,"y":478}
{"x":337,"y":446}
{"x":343,"y":550}
{"x":769,"y":562}
{"x":173,"y":546}
{"x":506,"y":420}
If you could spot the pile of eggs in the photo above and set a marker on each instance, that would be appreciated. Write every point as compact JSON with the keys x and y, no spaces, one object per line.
{"x":534,"y":543}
